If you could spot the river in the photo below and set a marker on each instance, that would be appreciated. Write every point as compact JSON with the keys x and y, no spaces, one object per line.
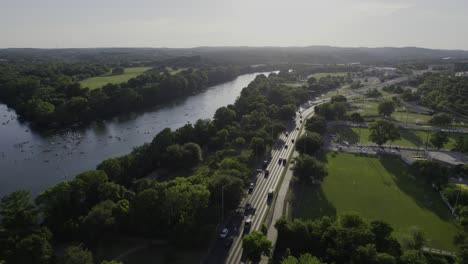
{"x":29,"y":160}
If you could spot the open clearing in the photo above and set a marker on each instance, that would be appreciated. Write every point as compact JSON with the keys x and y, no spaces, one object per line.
{"x":409,"y":138}
{"x":379,"y":189}
{"x":100,"y":81}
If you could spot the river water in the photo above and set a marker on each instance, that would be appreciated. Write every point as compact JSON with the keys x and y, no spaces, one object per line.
{"x":33,"y":161}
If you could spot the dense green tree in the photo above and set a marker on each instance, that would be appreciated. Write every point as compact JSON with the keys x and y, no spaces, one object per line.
{"x":316,"y":124}
{"x":382,"y":131}
{"x":224,"y":116}
{"x":286,"y":112}
{"x":384,"y":258}
{"x":17,"y":214}
{"x":415,"y":238}
{"x":303,"y":259}
{"x":356,"y":117}
{"x":309,"y":143}
{"x":439,"y":139}
{"x":441,"y":119}
{"x":339,"y":99}
{"x":255,"y":244}
{"x":77,"y":255}
{"x":386,"y":108}
{"x":33,"y":247}
{"x":413,"y":257}
{"x":308,"y":168}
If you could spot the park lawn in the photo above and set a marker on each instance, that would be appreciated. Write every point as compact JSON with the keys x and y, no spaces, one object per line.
{"x":370,"y":108}
{"x":324,"y":74}
{"x":378,"y":189}
{"x":409,"y":138}
{"x":99,"y":81}
{"x":402,"y":116}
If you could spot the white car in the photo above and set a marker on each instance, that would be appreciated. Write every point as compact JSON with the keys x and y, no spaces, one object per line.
{"x":224,"y":233}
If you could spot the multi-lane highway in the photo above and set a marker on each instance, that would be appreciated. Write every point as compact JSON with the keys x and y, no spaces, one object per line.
{"x":259,"y":197}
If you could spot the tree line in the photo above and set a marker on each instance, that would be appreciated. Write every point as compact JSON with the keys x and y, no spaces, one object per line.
{"x":49,"y":94}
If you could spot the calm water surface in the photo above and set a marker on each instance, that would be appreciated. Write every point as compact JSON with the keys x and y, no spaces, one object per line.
{"x":29,"y":160}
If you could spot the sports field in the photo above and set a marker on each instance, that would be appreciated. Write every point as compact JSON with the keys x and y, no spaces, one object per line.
{"x":378,"y":189}
{"x":100,"y":81}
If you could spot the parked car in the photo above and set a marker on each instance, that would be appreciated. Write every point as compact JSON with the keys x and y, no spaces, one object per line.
{"x":265,"y":164}
{"x":287,"y":134}
{"x":284,"y":162}
{"x":224,"y":233}
{"x":297,"y":129}
{"x":259,"y":170}
{"x":292,"y":140}
{"x":267,"y":173}
{"x":280,"y":161}
{"x":285,"y":146}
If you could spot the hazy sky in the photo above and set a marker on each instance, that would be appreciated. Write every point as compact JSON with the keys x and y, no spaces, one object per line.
{"x":184,"y":23}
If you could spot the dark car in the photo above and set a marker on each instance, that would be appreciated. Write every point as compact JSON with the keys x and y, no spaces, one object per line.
{"x":285,"y":146}
{"x":267,"y":173}
{"x":228,"y":241}
{"x":301,"y":121}
{"x":265,"y":164}
{"x":280,"y":161}
{"x":247,"y":225}
{"x":251,"y":187}
{"x":292,"y":140}
{"x":297,"y":128}
{"x":284,"y":162}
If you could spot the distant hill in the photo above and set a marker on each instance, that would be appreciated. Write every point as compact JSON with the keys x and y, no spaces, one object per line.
{"x":238,"y":55}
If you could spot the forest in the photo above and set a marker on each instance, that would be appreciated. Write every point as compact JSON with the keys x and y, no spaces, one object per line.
{"x":48,"y":94}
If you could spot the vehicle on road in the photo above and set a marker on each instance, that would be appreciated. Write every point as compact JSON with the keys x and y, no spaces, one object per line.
{"x":247,"y":225}
{"x":267,"y":173}
{"x":224,"y":233}
{"x":285,"y":146}
{"x":229,"y":241}
{"x":248,"y":206}
{"x":265,"y":164}
{"x":292,"y":140}
{"x":251,"y":187}
{"x":287,"y":134}
{"x":301,"y":121}
{"x":297,"y":129}
{"x":280,"y":161}
{"x":284,"y":162}
{"x":259,"y":170}
{"x":270,"y":193}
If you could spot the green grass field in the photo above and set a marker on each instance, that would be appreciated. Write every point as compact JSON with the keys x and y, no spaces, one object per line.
{"x":378,"y":189}
{"x":370,"y":109}
{"x":409,"y":138}
{"x":100,"y":81}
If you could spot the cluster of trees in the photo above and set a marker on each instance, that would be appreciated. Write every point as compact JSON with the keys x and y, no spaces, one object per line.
{"x":348,"y":239}
{"x":442,"y":92}
{"x":373,"y":93}
{"x":397,"y":89}
{"x":55,"y":98}
{"x":326,"y":83}
{"x":382,"y":131}
{"x":119,"y":199}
